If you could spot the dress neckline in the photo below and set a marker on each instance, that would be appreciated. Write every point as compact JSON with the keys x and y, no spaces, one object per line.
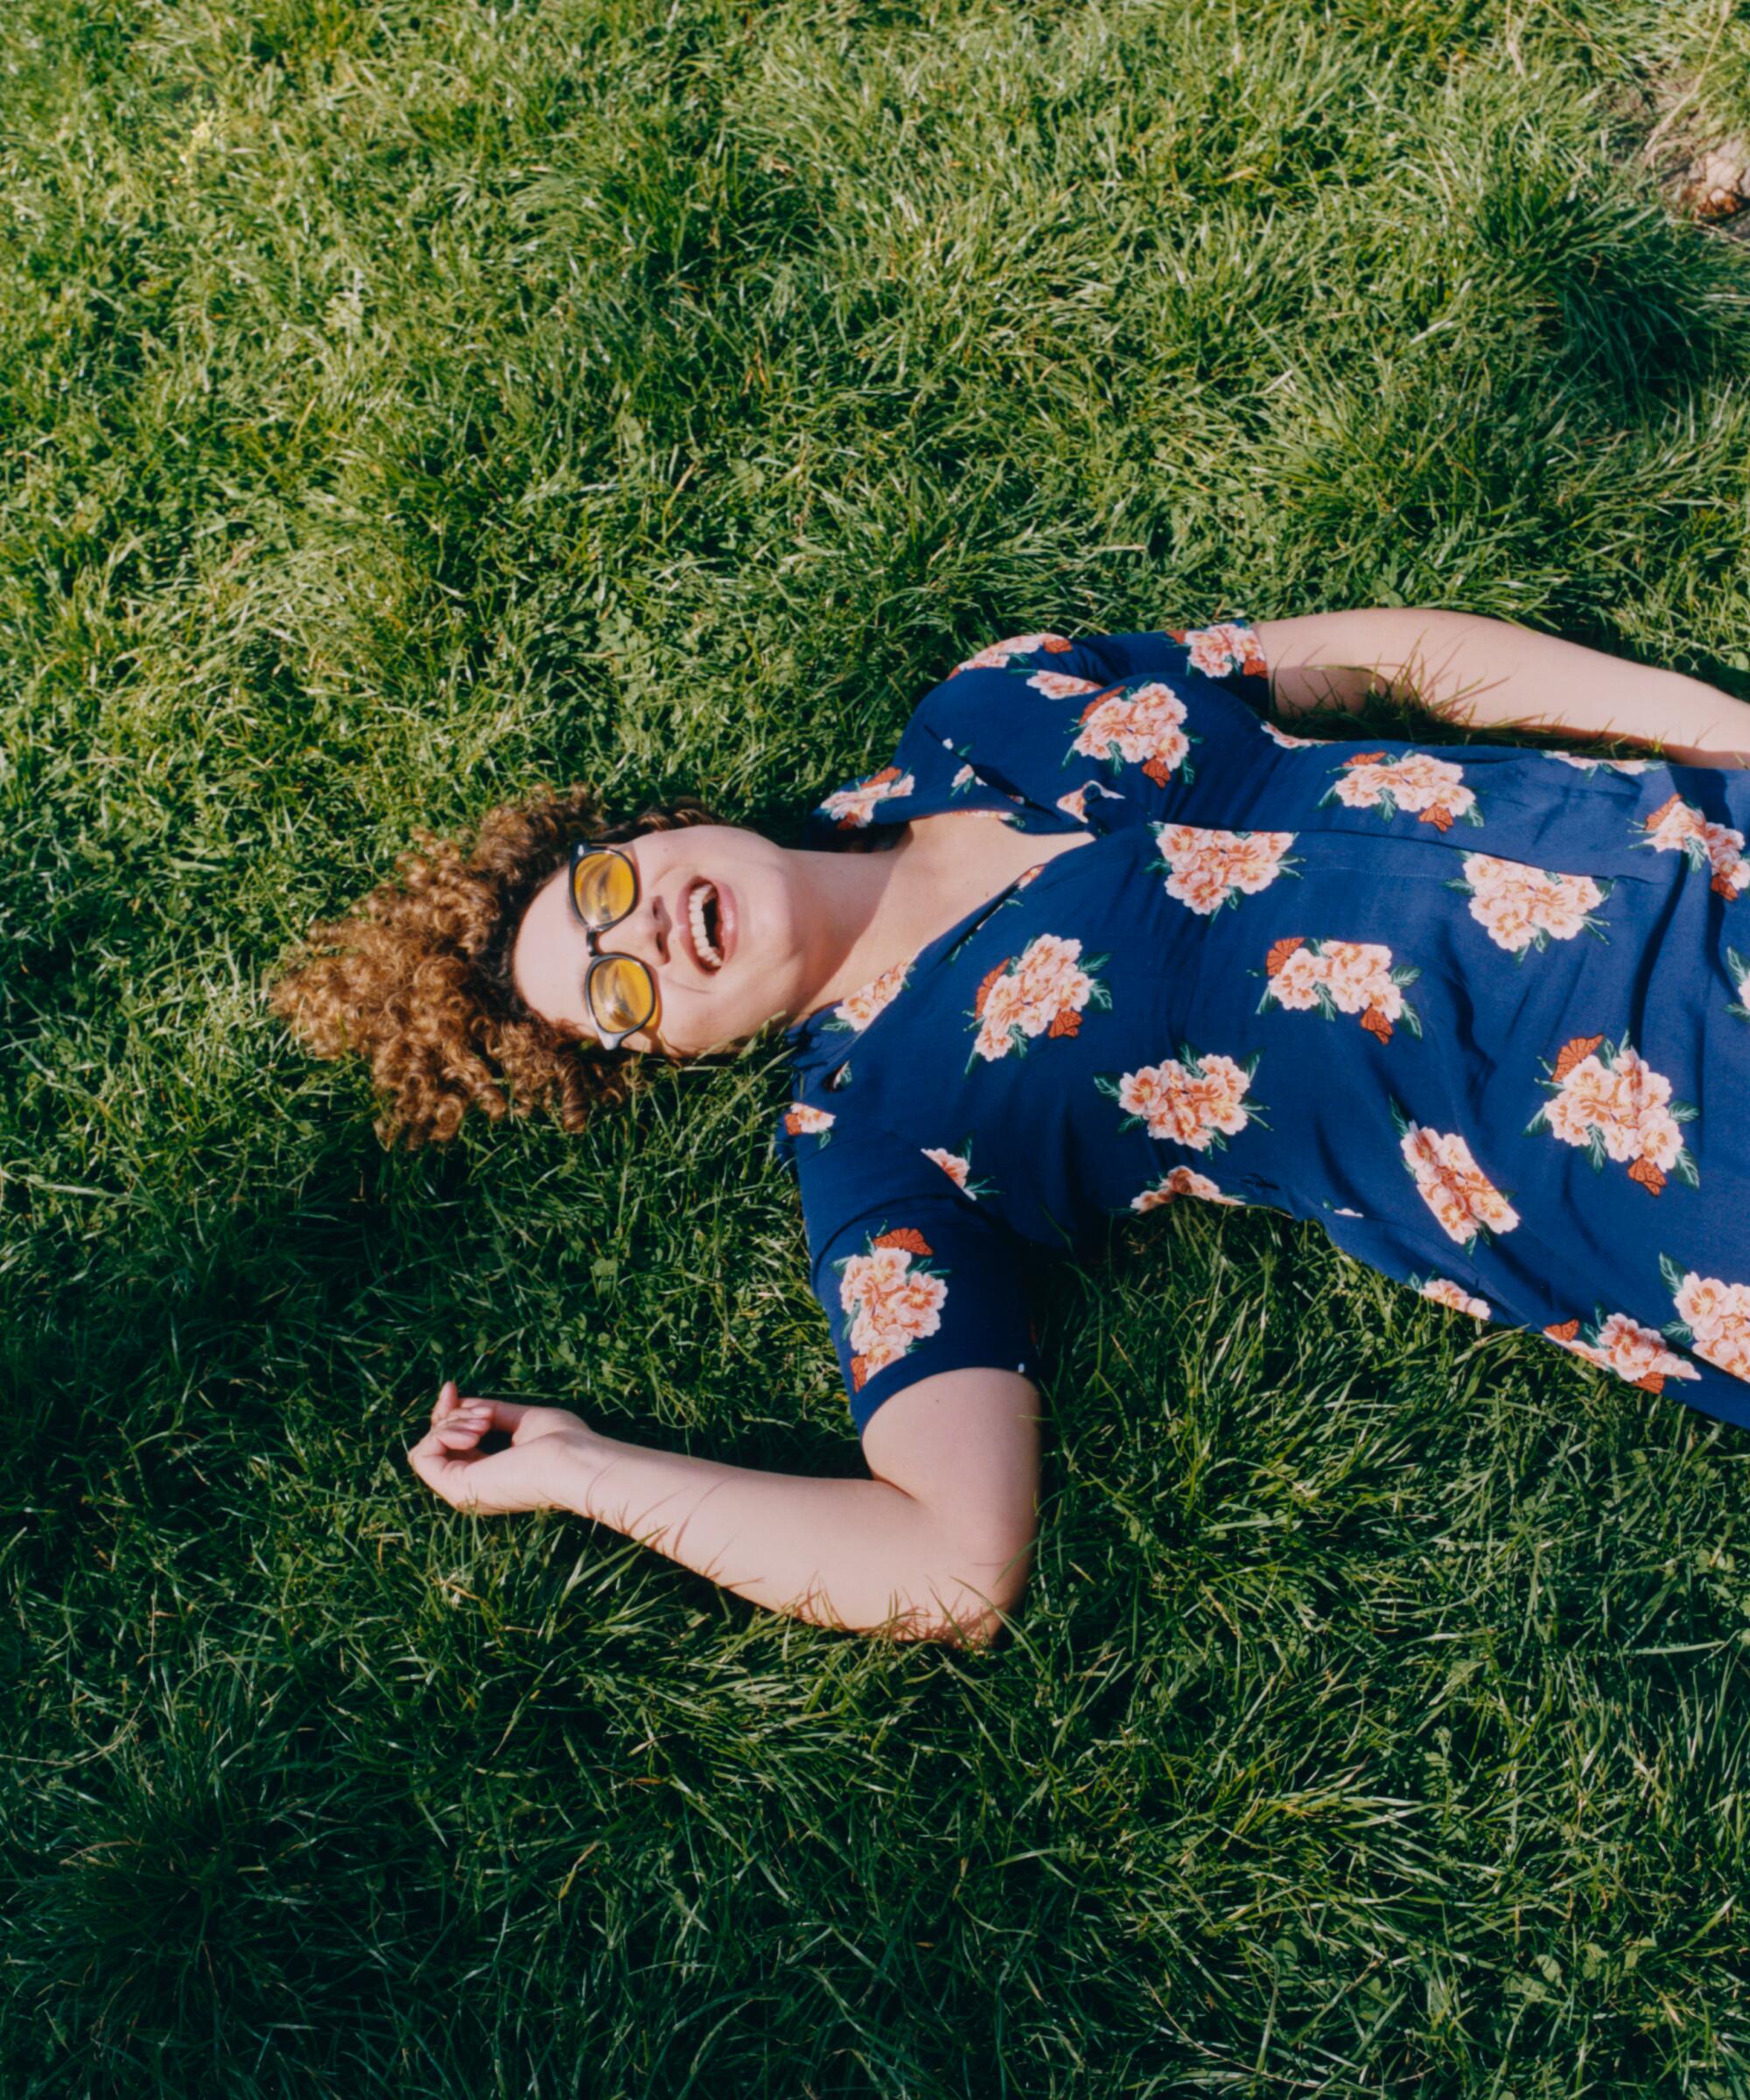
{"x":928,"y":786}
{"x":873,"y":999}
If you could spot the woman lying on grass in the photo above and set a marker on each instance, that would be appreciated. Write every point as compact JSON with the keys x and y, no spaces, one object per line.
{"x":1481,"y":1012}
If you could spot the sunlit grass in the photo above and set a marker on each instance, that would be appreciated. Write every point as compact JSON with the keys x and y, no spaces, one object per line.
{"x":405,"y":404}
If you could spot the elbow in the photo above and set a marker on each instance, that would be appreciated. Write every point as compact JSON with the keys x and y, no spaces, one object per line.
{"x":975,"y":1624}
{"x":977,"y":1629}
{"x":968,"y":1613}
{"x":979,"y":1632}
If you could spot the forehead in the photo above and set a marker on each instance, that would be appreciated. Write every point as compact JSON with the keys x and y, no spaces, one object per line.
{"x":548,"y":941}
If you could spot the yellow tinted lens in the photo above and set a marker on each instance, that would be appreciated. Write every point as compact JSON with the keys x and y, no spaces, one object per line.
{"x":622,"y":997}
{"x":603,"y":886}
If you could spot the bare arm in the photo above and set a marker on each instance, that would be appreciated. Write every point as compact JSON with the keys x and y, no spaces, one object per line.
{"x":924,"y":1550}
{"x":1482,"y":672}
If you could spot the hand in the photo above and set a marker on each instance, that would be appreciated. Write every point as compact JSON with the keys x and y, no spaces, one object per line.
{"x":543,"y":1468}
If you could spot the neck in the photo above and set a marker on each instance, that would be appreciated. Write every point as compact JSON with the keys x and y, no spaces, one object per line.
{"x":857,"y":913}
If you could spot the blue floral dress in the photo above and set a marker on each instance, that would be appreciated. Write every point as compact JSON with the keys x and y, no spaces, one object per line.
{"x":1480,"y":1011}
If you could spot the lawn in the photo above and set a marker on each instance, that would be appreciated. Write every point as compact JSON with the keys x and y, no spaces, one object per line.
{"x":406,"y":403}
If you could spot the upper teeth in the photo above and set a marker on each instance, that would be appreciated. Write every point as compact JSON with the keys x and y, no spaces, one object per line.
{"x":696,"y":914}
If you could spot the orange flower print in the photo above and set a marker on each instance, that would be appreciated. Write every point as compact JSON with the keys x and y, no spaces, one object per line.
{"x":1432,"y":790}
{"x":1206,"y":870}
{"x":1141,"y":725}
{"x":1713,"y":1317}
{"x":1059,"y":685}
{"x":1465,"y":1203}
{"x":802,"y":1120}
{"x":1075,"y":803}
{"x":857,"y":1009}
{"x":1444,"y":1292}
{"x":958,"y":1168}
{"x":1616,"y":1343}
{"x":996,"y":656}
{"x":966,"y":775}
{"x":1194,"y":1099}
{"x":891,"y":1299}
{"x":1584,"y":764}
{"x":1678,"y":827}
{"x":1332,"y":977}
{"x":1522,"y":907}
{"x":1281,"y":738}
{"x":1226,"y":646}
{"x":851,"y":808}
{"x":1605,"y":1099}
{"x":1180,"y":1181}
{"x":1044,"y":990}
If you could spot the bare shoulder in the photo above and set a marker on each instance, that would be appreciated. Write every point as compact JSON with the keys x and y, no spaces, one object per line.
{"x":966,"y":1444}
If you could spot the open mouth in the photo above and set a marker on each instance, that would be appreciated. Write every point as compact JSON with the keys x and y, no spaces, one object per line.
{"x":706,"y":923}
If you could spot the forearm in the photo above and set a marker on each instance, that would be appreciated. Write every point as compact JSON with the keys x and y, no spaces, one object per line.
{"x":1487,"y":673}
{"x":859,"y":1555}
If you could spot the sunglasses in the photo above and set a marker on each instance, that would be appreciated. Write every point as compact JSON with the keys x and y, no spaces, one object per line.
{"x":619,"y":990}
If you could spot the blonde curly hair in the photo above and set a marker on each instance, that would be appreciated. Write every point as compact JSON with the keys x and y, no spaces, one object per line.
{"x":416,"y":977}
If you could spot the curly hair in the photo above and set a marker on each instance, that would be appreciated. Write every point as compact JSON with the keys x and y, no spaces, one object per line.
{"x":417,"y":978}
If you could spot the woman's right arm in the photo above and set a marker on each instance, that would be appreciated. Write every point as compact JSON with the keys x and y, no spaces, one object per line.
{"x":1484,"y":672}
{"x":930,"y":1549}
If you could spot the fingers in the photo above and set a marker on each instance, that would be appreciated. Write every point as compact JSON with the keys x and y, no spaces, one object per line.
{"x":462,"y":1426}
{"x":448,"y":1457}
{"x":500,"y":1414}
{"x":445,"y":1458}
{"x":428,"y":1458}
{"x":444,"y":1455}
{"x":445,"y":1476}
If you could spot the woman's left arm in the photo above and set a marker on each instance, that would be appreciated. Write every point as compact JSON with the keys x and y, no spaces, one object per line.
{"x":935,"y":1546}
{"x":1482,"y":672}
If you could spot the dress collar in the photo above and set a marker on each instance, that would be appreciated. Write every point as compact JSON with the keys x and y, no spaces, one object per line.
{"x":929,"y":773}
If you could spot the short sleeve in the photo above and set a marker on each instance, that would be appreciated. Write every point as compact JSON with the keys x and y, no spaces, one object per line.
{"x":1229,"y":653}
{"x":912,"y":1280}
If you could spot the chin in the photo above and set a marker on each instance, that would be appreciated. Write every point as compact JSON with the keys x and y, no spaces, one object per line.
{"x":731,"y":1046}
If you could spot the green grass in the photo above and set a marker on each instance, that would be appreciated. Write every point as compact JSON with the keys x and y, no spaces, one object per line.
{"x":405,"y":403}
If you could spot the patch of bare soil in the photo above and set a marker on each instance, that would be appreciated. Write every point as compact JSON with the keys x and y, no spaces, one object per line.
{"x":1704,"y":170}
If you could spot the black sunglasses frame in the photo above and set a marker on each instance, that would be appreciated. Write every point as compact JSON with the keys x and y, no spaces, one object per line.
{"x":611,"y":1038}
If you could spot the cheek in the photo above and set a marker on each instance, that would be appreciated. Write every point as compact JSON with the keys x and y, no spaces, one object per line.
{"x":713,"y":1020}
{"x":776,"y":911}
